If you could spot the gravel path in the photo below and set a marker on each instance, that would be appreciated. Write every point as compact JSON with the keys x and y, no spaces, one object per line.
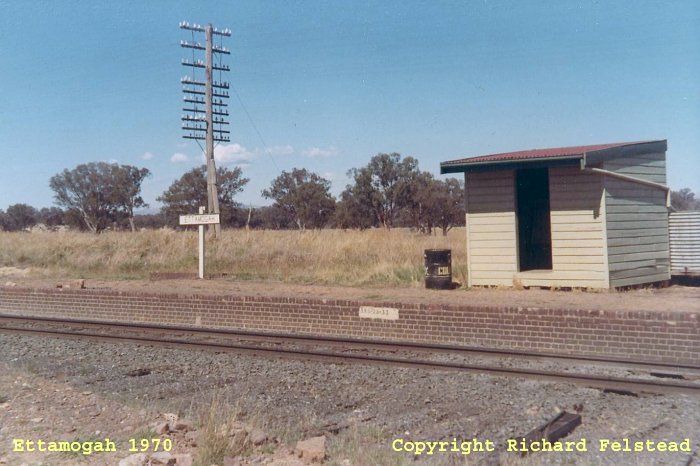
{"x":674,"y":298}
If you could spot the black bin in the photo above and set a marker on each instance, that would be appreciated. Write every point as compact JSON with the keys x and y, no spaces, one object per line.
{"x":438,"y":269}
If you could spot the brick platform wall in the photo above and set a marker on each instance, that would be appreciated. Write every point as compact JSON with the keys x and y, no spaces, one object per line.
{"x":657,"y":336}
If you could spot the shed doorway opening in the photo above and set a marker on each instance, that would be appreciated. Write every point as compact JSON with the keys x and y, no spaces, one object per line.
{"x":533,"y":215}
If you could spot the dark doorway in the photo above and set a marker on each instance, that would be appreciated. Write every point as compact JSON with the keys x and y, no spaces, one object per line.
{"x":534,"y":227}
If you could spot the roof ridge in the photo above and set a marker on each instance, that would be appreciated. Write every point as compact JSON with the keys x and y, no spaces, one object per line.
{"x":567,"y":151}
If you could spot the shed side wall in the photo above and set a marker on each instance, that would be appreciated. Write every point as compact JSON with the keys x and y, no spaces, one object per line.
{"x":491,"y":238}
{"x":637,"y":221}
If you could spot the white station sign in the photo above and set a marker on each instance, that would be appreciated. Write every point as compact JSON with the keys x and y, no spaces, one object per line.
{"x":200,"y":219}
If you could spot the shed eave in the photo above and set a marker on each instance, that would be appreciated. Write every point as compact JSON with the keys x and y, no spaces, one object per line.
{"x":451,"y":167}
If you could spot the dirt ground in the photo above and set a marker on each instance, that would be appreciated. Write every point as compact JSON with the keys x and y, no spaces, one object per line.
{"x":78,"y":390}
{"x":673,"y":298}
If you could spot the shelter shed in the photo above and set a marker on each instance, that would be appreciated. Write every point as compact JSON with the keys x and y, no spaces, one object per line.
{"x":582,"y":217}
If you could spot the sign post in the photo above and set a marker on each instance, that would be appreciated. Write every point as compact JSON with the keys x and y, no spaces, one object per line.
{"x":200,"y":228}
{"x":200,"y":220}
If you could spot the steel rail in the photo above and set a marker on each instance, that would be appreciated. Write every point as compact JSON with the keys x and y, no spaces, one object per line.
{"x":603,"y":382}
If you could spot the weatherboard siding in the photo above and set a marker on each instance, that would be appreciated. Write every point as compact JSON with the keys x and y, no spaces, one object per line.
{"x":491,"y":237}
{"x":651,"y":167}
{"x":578,"y":238}
{"x":577,"y":219}
{"x":637,"y":221}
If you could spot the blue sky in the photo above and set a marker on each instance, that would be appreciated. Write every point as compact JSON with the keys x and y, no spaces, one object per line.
{"x":329,"y":84}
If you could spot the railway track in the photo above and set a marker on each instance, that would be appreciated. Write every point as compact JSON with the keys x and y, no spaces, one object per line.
{"x":660,"y":377}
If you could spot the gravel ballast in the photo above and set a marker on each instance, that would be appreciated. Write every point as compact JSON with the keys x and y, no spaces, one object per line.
{"x":297,"y":399}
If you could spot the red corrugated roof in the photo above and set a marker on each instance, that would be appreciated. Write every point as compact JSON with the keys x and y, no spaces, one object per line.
{"x":542,"y":153}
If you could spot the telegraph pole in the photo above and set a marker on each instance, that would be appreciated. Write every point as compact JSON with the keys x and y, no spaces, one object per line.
{"x":207,"y":111}
{"x":212,"y":191}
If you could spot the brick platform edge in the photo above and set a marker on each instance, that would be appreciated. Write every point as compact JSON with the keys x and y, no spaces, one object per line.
{"x":654,"y":336}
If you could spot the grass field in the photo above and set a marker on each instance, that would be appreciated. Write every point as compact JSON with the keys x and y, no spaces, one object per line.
{"x":329,"y":257}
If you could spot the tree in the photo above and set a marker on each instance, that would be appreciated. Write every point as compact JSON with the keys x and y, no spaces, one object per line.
{"x":51,"y":216}
{"x":384,"y":186}
{"x":351,"y":213}
{"x":74,"y":220}
{"x":304,"y":195}
{"x":88,"y":190}
{"x":434,"y":204}
{"x":98,"y":193}
{"x":272,"y":217}
{"x":444,"y":204}
{"x":684,"y":200}
{"x":128,"y":179}
{"x":185,"y":195}
{"x":420,"y":202}
{"x":150,"y":221}
{"x":19,"y":217}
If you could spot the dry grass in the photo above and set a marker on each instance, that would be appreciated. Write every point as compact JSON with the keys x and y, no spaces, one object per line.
{"x":364,"y":445}
{"x":218,"y":437}
{"x":332,"y":257}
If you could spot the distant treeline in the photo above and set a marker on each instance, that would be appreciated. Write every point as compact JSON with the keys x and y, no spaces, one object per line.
{"x":390,"y":191}
{"x":20,"y":217}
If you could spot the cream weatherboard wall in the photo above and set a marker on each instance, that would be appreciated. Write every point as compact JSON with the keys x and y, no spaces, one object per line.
{"x":491,"y":237}
{"x":579,"y":258}
{"x":577,"y":207}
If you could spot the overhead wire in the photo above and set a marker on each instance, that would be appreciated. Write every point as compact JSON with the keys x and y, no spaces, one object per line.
{"x":245,"y":110}
{"x":250,"y":119}
{"x":219,"y":60}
